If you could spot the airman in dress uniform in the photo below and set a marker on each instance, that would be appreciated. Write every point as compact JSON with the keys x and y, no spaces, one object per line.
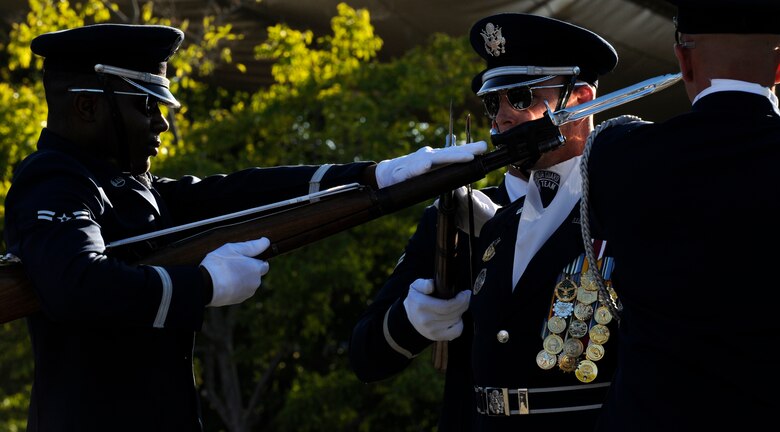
{"x":113,"y":342}
{"x":690,"y":207}
{"x":512,"y":340}
{"x":542,"y":360}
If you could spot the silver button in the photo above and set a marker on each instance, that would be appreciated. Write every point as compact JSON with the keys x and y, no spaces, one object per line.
{"x":503,"y":336}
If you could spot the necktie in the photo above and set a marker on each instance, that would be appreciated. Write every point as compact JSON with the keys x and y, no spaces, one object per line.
{"x":548,"y":183}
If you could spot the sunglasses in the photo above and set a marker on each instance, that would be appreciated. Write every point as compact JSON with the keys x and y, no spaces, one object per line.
{"x":519,"y":97}
{"x":150,"y":104}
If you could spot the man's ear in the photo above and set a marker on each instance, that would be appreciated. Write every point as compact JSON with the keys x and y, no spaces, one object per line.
{"x":584,"y":93}
{"x":684,"y":59}
{"x":85,"y":105}
{"x":777,"y":67}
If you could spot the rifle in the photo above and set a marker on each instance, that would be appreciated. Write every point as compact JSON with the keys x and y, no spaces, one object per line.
{"x":303,"y":221}
{"x":444,"y":260}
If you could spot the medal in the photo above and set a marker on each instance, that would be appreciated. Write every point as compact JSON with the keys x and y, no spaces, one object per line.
{"x":562,"y":309}
{"x":553,"y":344}
{"x":586,"y":371}
{"x":603,"y":315}
{"x":578,"y":292}
{"x":587,"y":297}
{"x":594,"y":351}
{"x":566,"y":290}
{"x":583,"y":311}
{"x":556,"y":324}
{"x":578,"y":328}
{"x":566,"y":363}
{"x":573,"y":347}
{"x":599,"y":334}
{"x":588,"y":281}
{"x":546,"y":360}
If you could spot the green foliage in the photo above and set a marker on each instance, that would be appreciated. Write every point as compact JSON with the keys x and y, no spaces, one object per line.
{"x":16,"y":372}
{"x":332,"y":101}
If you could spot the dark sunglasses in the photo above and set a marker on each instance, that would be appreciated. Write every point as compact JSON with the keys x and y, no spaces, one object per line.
{"x":150,"y":104}
{"x":520,"y":98}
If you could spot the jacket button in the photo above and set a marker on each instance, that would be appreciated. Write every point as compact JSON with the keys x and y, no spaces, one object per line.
{"x":503,"y":336}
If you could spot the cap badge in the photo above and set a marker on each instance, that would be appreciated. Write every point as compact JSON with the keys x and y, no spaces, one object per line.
{"x":494,"y":41}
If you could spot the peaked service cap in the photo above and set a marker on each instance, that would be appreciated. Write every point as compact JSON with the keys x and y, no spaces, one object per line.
{"x":727,"y":16}
{"x":136,"y":53}
{"x":524,"y":48}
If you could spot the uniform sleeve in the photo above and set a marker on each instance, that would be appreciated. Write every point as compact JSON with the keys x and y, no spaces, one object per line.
{"x":383,"y":340}
{"x":190,"y":198}
{"x":52,"y":223}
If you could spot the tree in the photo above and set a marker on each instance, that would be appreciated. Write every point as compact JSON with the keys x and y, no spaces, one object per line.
{"x":261,"y":364}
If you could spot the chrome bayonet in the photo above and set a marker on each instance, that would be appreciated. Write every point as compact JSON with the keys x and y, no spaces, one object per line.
{"x":611,"y":100}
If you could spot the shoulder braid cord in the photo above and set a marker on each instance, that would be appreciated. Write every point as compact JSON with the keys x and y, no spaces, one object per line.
{"x":614,"y":305}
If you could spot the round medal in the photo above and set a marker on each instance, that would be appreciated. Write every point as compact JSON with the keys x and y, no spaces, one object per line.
{"x":583,"y":311}
{"x":556,"y":324}
{"x":546,"y":360}
{"x":586,"y":371}
{"x":594,"y":352}
{"x":553,"y":344}
{"x":566,"y":290}
{"x":603,"y":315}
{"x":578,"y":328}
{"x":572,"y":347}
{"x":599,"y":333}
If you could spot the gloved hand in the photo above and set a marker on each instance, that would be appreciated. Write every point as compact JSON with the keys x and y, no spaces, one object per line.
{"x":235,"y":273}
{"x":436,"y":319}
{"x":484,"y":209}
{"x":392,"y":171}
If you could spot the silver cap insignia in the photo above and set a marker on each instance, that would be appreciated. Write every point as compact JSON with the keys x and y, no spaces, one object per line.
{"x":494,"y":41}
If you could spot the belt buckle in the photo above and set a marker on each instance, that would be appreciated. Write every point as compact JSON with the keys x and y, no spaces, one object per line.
{"x":497,"y":401}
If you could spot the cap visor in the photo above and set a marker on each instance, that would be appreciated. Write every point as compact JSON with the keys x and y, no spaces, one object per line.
{"x":507,"y":81}
{"x":158,"y":91}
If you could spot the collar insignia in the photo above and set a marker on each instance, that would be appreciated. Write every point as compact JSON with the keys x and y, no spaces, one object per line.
{"x":117,"y":182}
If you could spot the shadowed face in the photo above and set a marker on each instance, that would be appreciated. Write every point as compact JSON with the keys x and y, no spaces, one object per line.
{"x":508,"y":117}
{"x":135,"y":137}
{"x":144,"y":123}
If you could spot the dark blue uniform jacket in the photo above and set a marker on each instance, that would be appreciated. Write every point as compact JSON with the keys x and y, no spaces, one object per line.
{"x":113,"y":341}
{"x":522,"y":313}
{"x":371,"y":355}
{"x":690,"y":207}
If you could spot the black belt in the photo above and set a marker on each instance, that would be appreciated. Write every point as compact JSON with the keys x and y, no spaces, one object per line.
{"x":502,"y":401}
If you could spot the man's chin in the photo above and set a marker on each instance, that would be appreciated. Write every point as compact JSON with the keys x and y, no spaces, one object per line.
{"x":140,"y":168}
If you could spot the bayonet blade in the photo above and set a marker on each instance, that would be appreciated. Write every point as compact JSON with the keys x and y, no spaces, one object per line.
{"x":611,"y":100}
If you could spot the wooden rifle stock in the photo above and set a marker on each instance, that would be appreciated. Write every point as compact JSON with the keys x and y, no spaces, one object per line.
{"x":17,"y":298}
{"x":446,"y":242}
{"x":444,"y":260}
{"x":301,"y":225}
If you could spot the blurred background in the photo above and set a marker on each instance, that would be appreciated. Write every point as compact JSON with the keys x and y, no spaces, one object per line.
{"x":640,"y":30}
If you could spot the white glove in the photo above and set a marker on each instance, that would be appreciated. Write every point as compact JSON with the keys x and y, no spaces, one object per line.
{"x":235,"y":273}
{"x":484,"y":209}
{"x":392,"y":171}
{"x":436,"y":319}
